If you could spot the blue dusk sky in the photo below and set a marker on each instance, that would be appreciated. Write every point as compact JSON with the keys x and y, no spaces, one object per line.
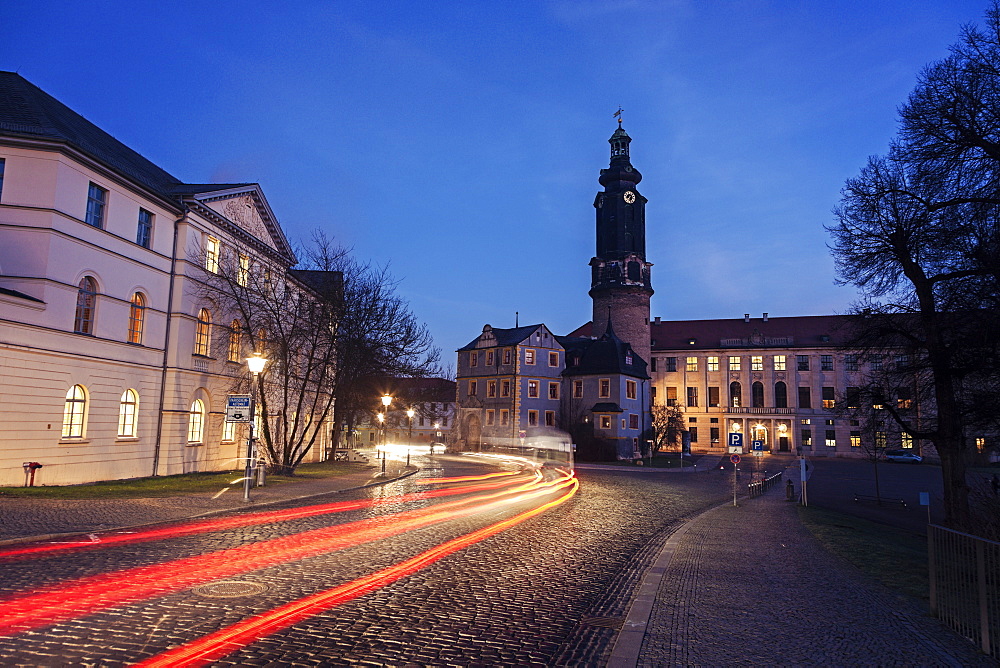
{"x":460,"y":143}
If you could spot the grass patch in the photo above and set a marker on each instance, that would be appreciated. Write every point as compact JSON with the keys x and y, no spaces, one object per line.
{"x":173,"y":485}
{"x":894,"y":557}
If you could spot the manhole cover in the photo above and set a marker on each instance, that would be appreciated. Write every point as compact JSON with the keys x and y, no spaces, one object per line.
{"x":230,"y":589}
{"x":604,"y":622}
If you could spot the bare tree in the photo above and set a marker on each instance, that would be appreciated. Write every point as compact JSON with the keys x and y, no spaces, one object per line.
{"x":667,"y":426}
{"x":918,"y":234}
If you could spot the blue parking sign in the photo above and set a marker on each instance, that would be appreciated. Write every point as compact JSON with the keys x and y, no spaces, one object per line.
{"x":735,"y":439}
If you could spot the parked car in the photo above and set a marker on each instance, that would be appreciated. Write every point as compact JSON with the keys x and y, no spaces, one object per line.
{"x":903,"y":456}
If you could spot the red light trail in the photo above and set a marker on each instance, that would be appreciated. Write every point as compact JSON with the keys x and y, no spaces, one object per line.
{"x":52,"y":604}
{"x":228,"y":640}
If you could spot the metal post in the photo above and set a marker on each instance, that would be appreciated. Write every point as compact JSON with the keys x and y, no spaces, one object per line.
{"x":248,"y":473}
{"x":734,"y":482}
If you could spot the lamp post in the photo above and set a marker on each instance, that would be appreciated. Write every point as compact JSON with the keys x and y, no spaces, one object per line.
{"x":409,"y":434}
{"x":255,"y":364}
{"x":386,"y":401}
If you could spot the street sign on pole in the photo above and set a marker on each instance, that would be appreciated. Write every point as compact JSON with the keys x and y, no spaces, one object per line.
{"x":735,"y":459}
{"x":757,"y":445}
{"x":735,"y":442}
{"x":238,"y":408}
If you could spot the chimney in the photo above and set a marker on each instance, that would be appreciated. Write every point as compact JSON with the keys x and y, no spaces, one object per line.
{"x":765,"y":316}
{"x":657,"y":320}
{"x":746,"y":317}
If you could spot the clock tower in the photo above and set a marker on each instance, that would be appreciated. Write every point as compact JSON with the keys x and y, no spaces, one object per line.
{"x":620,"y":281}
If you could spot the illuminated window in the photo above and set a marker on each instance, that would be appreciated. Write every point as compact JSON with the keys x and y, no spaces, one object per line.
{"x":734,"y":363}
{"x":127,"y":414}
{"x":136,"y":316}
{"x":880,"y":439}
{"x":855,"y":439}
{"x":532,"y":418}
{"x":807,"y":439}
{"x":201,"y":333}
{"x":906,"y":440}
{"x":692,"y":364}
{"x":212,"y":247}
{"x":578,"y":389}
{"x":757,"y":363}
{"x":235,"y":341}
{"x":980,"y":444}
{"x":533,"y":389}
{"x":713,"y":363}
{"x":605,"y":422}
{"x":903,"y":399}
{"x":553,"y":390}
{"x":735,"y":394}
{"x":229,"y":431}
{"x":529,"y":356}
{"x":97,"y":199}
{"x":243,"y":273}
{"x":630,"y":389}
{"x":831,"y":438}
{"x":86,"y":302}
{"x":196,"y":421}
{"x":74,"y":411}
{"x":779,"y":362}
{"x":829,"y":399}
{"x":553,"y":359}
{"x":144,"y":231}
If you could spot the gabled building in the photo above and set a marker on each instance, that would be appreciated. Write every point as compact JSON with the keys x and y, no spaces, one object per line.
{"x":113,"y":363}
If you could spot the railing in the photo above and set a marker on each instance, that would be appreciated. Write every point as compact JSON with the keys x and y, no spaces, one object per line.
{"x":753,"y":410}
{"x":965,"y":585}
{"x":758,"y":487}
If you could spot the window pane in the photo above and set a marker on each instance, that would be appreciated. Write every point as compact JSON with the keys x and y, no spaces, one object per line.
{"x":86,"y":300}
{"x":144,"y":232}
{"x":96,"y":199}
{"x":137,"y":314}
{"x":196,"y":422}
{"x":73,"y":412}
{"x":127,"y":414}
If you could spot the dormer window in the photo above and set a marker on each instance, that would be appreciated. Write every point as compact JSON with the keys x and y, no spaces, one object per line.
{"x":628,"y":358}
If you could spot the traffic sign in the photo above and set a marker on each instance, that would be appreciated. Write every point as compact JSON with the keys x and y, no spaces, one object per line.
{"x":757,"y":445}
{"x":735,"y":442}
{"x":735,"y":459}
{"x":238,"y":408}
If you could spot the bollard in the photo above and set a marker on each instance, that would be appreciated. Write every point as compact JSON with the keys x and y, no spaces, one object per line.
{"x":789,"y":491}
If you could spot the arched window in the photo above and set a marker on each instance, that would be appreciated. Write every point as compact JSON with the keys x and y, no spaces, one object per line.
{"x":235,"y":347}
{"x":86,"y":301}
{"x":757,"y":394}
{"x":128,"y":414}
{"x":136,"y":317}
{"x":780,"y":395}
{"x":74,"y":412}
{"x":202,"y":331}
{"x":735,"y":394}
{"x":196,"y":421}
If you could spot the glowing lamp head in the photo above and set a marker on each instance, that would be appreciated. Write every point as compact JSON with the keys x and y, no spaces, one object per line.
{"x":381,"y":417}
{"x":386,"y":400}
{"x":410,"y":413}
{"x":735,"y":426}
{"x":256,"y":363}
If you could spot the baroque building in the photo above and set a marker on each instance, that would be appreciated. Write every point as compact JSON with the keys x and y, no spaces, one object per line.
{"x":113,"y":362}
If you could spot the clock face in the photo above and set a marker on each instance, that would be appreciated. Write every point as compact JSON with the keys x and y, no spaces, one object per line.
{"x":629,"y":196}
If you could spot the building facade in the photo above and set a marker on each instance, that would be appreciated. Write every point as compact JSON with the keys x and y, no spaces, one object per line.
{"x":113,"y":362}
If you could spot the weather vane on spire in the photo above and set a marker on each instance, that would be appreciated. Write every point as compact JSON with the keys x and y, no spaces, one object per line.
{"x":618,"y":115}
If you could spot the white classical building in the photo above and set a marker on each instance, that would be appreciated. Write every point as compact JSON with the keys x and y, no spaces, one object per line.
{"x":111,"y":364}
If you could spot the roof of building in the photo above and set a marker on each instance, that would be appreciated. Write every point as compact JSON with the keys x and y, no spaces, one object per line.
{"x":28,"y":111}
{"x":783,"y":332}
{"x":605,"y":355}
{"x":20,"y":295}
{"x":505,"y":337}
{"x":607,"y":407}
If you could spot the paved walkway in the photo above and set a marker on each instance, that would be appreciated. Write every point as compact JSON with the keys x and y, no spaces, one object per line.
{"x":750,"y":585}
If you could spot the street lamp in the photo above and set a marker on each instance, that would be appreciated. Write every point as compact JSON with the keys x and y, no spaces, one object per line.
{"x":381,"y":425}
{"x":409,"y":437}
{"x":255,"y":364}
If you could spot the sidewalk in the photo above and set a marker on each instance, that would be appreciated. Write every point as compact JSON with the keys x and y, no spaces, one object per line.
{"x":24,"y":519}
{"x":750,"y":585}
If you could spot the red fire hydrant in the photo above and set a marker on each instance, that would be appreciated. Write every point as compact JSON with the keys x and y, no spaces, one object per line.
{"x":30,"y":468}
